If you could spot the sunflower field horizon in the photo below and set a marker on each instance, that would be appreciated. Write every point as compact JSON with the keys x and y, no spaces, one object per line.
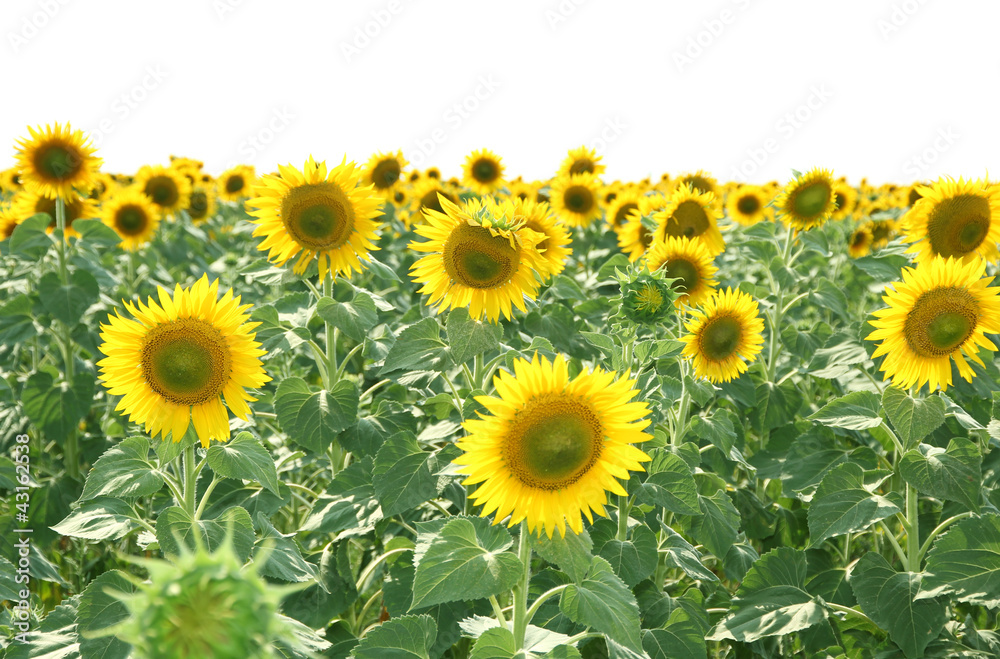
{"x":341,"y":409}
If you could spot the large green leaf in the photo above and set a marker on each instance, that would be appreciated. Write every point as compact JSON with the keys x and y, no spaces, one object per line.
{"x":404,"y":637}
{"x":312,"y":418}
{"x":571,"y":553}
{"x":844,"y":503}
{"x":603,"y":601}
{"x":100,"y":518}
{"x":353,"y":318}
{"x":30,"y":238}
{"x":55,"y":638}
{"x":913,"y":418}
{"x":419,"y":346}
{"x":634,"y":559}
{"x":681,"y":638}
{"x":772,"y":600}
{"x":57,"y":408}
{"x":175,"y":526}
{"x":99,"y":610}
{"x":679,"y":553}
{"x":886,"y":596}
{"x":404,"y":474}
{"x":67,"y":302}
{"x":954,"y":473}
{"x":468,"y":338}
{"x":965,"y":563}
{"x":855,"y":411}
{"x":284,"y":558}
{"x":246,"y":459}
{"x":348,"y":506}
{"x":96,"y":232}
{"x":718,"y":527}
{"x":670,"y":484}
{"x":124,"y":471}
{"x":464,"y":560}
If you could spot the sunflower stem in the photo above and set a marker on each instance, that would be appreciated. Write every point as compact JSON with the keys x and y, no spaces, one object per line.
{"x":913,"y":530}
{"x":331,"y":339}
{"x":623,"y":508}
{"x":521,"y":589}
{"x":61,"y":243}
{"x":190,"y":479}
{"x":71,"y":454}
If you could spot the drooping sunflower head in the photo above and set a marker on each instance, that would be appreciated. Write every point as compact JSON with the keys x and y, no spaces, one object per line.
{"x":201,"y":206}
{"x":581,"y":161}
{"x":959,"y":219}
{"x":724,"y":335}
{"x":700,"y":182}
{"x":846,"y":198}
{"x":747,"y":205}
{"x":691,"y":214}
{"x":552,"y":447}
{"x":133,"y":217}
{"x":483,"y":172}
{"x":808,"y":201}
{"x":383,"y":172}
{"x":27,"y":203}
{"x":175,"y":362}
{"x":576,"y":199}
{"x":55,"y":160}
{"x":236,"y":183}
{"x":860,"y":241}
{"x":553,"y":248}
{"x":636,"y":233}
{"x":165,"y":187}
{"x":316,"y":213}
{"x":940,"y":312}
{"x":479,"y":255}
{"x":689,"y":263}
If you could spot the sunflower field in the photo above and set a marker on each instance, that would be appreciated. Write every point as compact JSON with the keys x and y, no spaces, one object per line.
{"x":369,"y":411}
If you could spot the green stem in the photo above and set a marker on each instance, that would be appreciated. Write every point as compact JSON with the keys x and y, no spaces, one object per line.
{"x":544,"y":596}
{"x":190,"y":479}
{"x":895,"y":544}
{"x":937,"y":531}
{"x":850,"y":611}
{"x":912,"y":530}
{"x":204,"y":498}
{"x":61,"y":243}
{"x":331,"y":338}
{"x":521,"y":589}
{"x":623,"y":508}
{"x":498,"y":611}
{"x":374,"y":564}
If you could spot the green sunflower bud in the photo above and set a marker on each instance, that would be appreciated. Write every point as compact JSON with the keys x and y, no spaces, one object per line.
{"x":646,"y":298}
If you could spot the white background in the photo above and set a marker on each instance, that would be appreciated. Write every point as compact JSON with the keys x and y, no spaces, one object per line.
{"x":895,"y":90}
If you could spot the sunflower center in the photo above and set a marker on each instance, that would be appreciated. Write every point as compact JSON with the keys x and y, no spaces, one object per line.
{"x":812,"y":199}
{"x":622,"y":214}
{"x":130,"y":220}
{"x":234,"y":184}
{"x":858,"y":239}
{"x":839,"y":199}
{"x":958,"y":225}
{"x":485,"y":170}
{"x":385,"y":174}
{"x":689,"y":220}
{"x":720,"y":337}
{"x":477,"y":259}
{"x":579,"y":199}
{"x":186,"y":361}
{"x":553,"y":441}
{"x":698,"y":184}
{"x":684,"y":272}
{"x":162,"y":190}
{"x":942,"y":319}
{"x":881,"y":231}
{"x":430,"y":200}
{"x":748,"y":205}
{"x":537,"y":228}
{"x":57,"y":161}
{"x":198,"y":208}
{"x":318,"y":216}
{"x":582,"y":166}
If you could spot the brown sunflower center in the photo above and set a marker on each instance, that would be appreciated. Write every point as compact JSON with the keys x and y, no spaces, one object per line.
{"x":318,"y":216}
{"x":914,"y":196}
{"x":686,"y":274}
{"x":198,"y":207}
{"x":839,"y":200}
{"x":881,"y":232}
{"x":941,"y":320}
{"x":582,"y":166}
{"x":56,"y":161}
{"x":622,"y":213}
{"x":748,"y":204}
{"x":537,"y":227}
{"x":553,"y":441}
{"x":477,"y":259}
{"x":720,"y":337}
{"x":162,"y":190}
{"x":812,"y":199}
{"x":430,"y":200}
{"x":958,"y":225}
{"x":689,"y":220}
{"x":698,"y":183}
{"x":186,"y":361}
{"x":579,"y":199}
{"x":485,"y":170}
{"x":385,"y":174}
{"x":399,"y":197}
{"x":131,"y":220}
{"x":235,"y":183}
{"x":859,"y":238}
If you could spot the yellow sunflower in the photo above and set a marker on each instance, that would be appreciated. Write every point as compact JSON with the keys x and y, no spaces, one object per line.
{"x":576,"y":199}
{"x":808,"y":201}
{"x":882,"y":232}
{"x":133,"y":217}
{"x":478,"y":256}
{"x":552,"y":447}
{"x":201,"y":206}
{"x":724,"y":335}
{"x":860,"y":242}
{"x":10,"y":180}
{"x":959,"y":218}
{"x":581,"y":161}
{"x":635,"y":235}
{"x":747,"y":205}
{"x":554,"y":246}
{"x":483,"y":172}
{"x":383,"y":172}
{"x":700,"y":181}
{"x":427,"y":193}
{"x":432,"y":172}
{"x":689,"y":262}
{"x":8,"y":222}
{"x":166,"y":187}
{"x":236,"y":183}
{"x":326,"y":215}
{"x":177,"y":360}
{"x":691,"y":214}
{"x":53,"y":161}
{"x":846,"y":198}
{"x":618,"y":209}
{"x":27,"y":203}
{"x":521,"y":189}
{"x":941,"y":311}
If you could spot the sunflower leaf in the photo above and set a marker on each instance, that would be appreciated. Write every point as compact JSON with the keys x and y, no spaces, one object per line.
{"x":124,"y":471}
{"x":101,"y":518}
{"x":859,"y":410}
{"x":30,"y":238}
{"x":603,"y":601}
{"x":314,"y":418}
{"x":100,"y":609}
{"x":175,"y":526}
{"x":965,"y":563}
{"x":844,"y":503}
{"x":68,"y":302}
{"x":468,"y":337}
{"x":403,"y":476}
{"x":954,"y":473}
{"x":246,"y":459}
{"x":353,"y":318}
{"x":405,"y":637}
{"x":912,"y":418}
{"x":418,"y":346}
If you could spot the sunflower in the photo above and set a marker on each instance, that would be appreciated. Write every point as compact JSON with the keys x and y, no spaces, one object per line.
{"x":576,"y":199}
{"x":689,"y":263}
{"x":724,"y":335}
{"x":479,"y":256}
{"x":913,"y":194}
{"x":635,"y":235}
{"x":700,"y":181}
{"x":521,"y":189}
{"x":581,"y":161}
{"x":860,"y":242}
{"x":166,"y":187}
{"x":53,"y":161}
{"x":747,"y":205}
{"x":941,"y":311}
{"x":846,"y":198}
{"x":554,"y":246}
{"x":618,"y":209}
{"x":433,"y":172}
{"x":104,"y":187}
{"x":177,"y":361}
{"x":10,"y":180}
{"x":326,"y":215}
{"x":383,"y":171}
{"x":201,"y":207}
{"x":8,"y":222}
{"x":428,"y":193}
{"x":133,"y":217}
{"x":808,"y":201}
{"x":483,"y":172}
{"x":882,"y":232}
{"x":954,"y":218}
{"x":691,"y":214}
{"x":551,"y":447}
{"x":27,"y":203}
{"x":235,"y":183}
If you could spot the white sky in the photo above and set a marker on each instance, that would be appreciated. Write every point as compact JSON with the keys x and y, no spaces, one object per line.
{"x":895,"y":90}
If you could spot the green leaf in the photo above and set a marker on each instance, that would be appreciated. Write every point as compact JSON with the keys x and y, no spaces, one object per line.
{"x":634,"y":559}
{"x":718,"y":527}
{"x":99,"y":609}
{"x":679,"y":553}
{"x":9,"y":589}
{"x":965,"y":562}
{"x":954,"y":473}
{"x":55,"y":638}
{"x":682,"y":637}
{"x":123,"y":471}
{"x":353,"y":318}
{"x":57,"y":408}
{"x":843,"y":503}
{"x":670,"y":484}
{"x":101,"y":518}
{"x":348,"y":506}
{"x":855,"y":411}
{"x":246,"y":459}
{"x":420,"y":347}
{"x":68,"y":302}
{"x":284,"y":558}
{"x":498,"y":642}
{"x":571,"y":553}
{"x":399,"y":638}
{"x":30,"y":239}
{"x":886,"y":596}
{"x":96,"y":232}
{"x":313,"y":418}
{"x":16,"y":321}
{"x":912,"y":418}
{"x":404,"y":474}
{"x":468,"y":337}
{"x":771,"y":601}
{"x":465,"y":560}
{"x":603,"y":601}
{"x":174,"y":526}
